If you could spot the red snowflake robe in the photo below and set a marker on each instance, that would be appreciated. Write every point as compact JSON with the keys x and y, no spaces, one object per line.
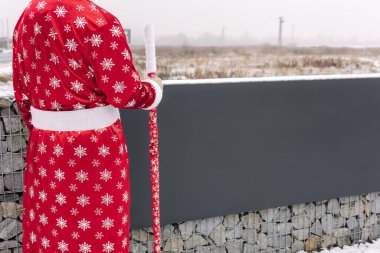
{"x":72,"y":55}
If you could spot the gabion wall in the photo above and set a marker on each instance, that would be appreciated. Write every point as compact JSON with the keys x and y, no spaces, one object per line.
{"x":308,"y":226}
{"x":14,"y":136}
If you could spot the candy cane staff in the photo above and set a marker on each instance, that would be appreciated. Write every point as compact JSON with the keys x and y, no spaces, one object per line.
{"x":151,"y":70}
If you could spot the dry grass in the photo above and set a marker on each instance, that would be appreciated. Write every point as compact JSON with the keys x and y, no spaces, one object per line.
{"x":5,"y":78}
{"x":186,"y":62}
{"x":218,"y":62}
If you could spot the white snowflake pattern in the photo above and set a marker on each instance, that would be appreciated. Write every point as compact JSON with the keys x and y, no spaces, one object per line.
{"x":42,"y":196}
{"x":56,"y":106}
{"x":42,"y":147}
{"x":78,"y":106}
{"x":75,"y":235}
{"x":41,"y":5}
{"x":37,"y":29}
{"x":105,"y":79}
{"x":100,"y":21}
{"x":126,"y":54}
{"x":84,"y":224}
{"x":119,"y":185}
{"x":59,"y":174}
{"x":38,"y":54}
{"x":107,"y":64}
{"x":43,"y":219}
{"x":114,"y":45}
{"x":80,"y":8}
{"x":42,"y":172}
{"x":32,"y":214}
{"x":74,"y":64}
{"x":63,"y":246}
{"x":99,"y":235}
{"x":115,"y":31}
{"x":80,"y":22}
{"x":71,"y":45}
{"x":71,"y":162}
{"x":54,"y":82}
{"x":70,"y":139}
{"x":61,"y":222}
{"x":119,"y":87}
{"x":97,"y":187}
{"x":124,"y":219}
{"x":53,"y":185}
{"x":68,"y":96}
{"x":84,"y":247}
{"x":95,"y":163}
{"x":80,"y":151}
{"x":31,"y":192}
{"x":54,"y":58}
{"x":58,"y":150}
{"x":45,"y":242}
{"x":96,"y":40}
{"x":73,"y":187}
{"x":98,"y":211}
{"x":107,"y":223}
{"x":76,"y":86}
{"x":74,"y":211}
{"x":53,"y":34}
{"x":60,"y":11}
{"x":83,"y":200}
{"x":81,"y":176}
{"x":107,"y":199}
{"x":108,"y":247}
{"x":67,"y":28}
{"x":104,"y":150}
{"x":126,"y":68}
{"x":60,"y":198}
{"x":125,"y":196}
{"x":105,"y":175}
{"x":33,"y":237}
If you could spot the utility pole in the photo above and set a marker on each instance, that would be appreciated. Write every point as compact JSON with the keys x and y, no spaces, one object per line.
{"x":293,"y":42}
{"x":221,"y":38}
{"x":281,"y":20}
{"x":7,"y":34}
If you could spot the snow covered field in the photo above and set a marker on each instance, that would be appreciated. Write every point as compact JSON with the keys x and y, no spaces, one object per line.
{"x":365,"y":247}
{"x":258,"y":61}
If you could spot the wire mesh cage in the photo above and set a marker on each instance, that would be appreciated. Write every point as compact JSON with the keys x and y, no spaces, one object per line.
{"x":14,"y":136}
{"x":309,"y":226}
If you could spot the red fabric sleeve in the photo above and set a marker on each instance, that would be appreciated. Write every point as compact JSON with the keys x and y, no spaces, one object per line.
{"x":21,"y":92}
{"x":115,"y":73}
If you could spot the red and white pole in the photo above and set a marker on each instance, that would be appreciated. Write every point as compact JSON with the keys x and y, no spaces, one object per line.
{"x":151,"y":69}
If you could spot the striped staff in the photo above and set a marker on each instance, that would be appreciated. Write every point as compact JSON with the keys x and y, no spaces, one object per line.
{"x":150,"y":51}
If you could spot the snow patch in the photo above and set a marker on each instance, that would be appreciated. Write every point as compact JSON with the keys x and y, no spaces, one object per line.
{"x":364,"y":247}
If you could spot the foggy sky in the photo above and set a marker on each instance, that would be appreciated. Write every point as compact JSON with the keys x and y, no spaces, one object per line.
{"x":312,"y":22}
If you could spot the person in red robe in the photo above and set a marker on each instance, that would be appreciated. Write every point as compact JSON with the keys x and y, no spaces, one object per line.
{"x":73,"y":56}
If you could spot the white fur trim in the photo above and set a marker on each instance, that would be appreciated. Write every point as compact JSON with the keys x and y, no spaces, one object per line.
{"x":77,"y":120}
{"x":158,"y":92}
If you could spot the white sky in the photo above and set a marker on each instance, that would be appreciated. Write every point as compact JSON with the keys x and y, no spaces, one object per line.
{"x":335,"y":22}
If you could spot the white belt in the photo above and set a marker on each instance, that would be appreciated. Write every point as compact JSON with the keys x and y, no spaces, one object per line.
{"x":77,"y":120}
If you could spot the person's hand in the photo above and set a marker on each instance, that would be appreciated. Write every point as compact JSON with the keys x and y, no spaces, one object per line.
{"x":156,"y":79}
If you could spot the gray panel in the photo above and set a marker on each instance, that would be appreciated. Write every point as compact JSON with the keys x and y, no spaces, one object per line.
{"x":229,"y":148}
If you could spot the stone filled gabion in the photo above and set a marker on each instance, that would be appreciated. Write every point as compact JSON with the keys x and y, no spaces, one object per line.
{"x":14,"y":136}
{"x":307,"y":226}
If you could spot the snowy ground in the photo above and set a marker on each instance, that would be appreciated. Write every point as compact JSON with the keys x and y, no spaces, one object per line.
{"x":5,"y":69}
{"x":365,"y":247}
